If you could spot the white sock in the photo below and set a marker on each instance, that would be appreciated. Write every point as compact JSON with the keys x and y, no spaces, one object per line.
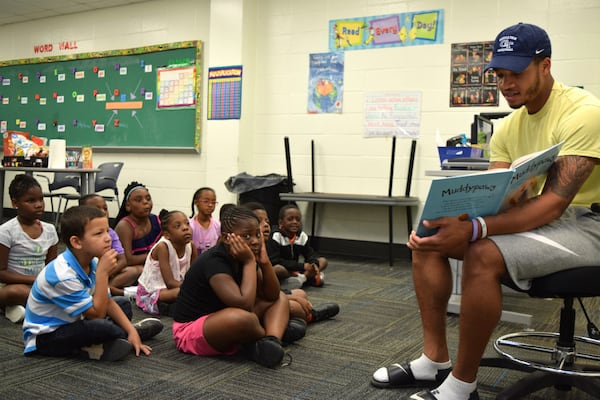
{"x":424,"y":368}
{"x":302,"y":277}
{"x":454,"y":389}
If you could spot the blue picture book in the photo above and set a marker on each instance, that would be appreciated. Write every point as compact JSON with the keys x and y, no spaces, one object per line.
{"x":489,"y":192}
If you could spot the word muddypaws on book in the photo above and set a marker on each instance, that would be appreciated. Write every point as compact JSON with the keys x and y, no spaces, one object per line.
{"x":486,"y":193}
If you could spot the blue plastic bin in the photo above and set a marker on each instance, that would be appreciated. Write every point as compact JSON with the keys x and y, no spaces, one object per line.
{"x":447,"y":153}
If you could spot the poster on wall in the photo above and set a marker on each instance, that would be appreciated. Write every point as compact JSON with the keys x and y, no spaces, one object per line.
{"x":176,"y":87}
{"x":225,"y":92}
{"x":393,"y":114}
{"x":392,"y":30}
{"x":469,"y":85}
{"x":325,"y":82}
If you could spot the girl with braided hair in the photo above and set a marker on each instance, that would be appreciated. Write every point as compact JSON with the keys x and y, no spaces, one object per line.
{"x":138,"y":229}
{"x":230,"y":300}
{"x":205,"y":229}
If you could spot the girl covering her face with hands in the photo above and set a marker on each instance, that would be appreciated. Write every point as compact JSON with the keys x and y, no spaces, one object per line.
{"x":230,"y":298}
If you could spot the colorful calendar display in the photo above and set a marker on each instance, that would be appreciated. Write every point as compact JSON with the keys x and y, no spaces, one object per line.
{"x":176,"y":87}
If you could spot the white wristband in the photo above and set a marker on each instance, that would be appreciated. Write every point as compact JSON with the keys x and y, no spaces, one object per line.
{"x":483,"y":227}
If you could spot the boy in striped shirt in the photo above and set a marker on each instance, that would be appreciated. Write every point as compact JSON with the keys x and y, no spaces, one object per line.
{"x":69,"y":310}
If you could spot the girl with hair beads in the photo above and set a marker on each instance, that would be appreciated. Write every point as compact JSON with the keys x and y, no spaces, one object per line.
{"x":26,"y":245}
{"x":137,"y":227}
{"x":166,"y":264}
{"x":205,"y":229}
{"x":230,"y":298}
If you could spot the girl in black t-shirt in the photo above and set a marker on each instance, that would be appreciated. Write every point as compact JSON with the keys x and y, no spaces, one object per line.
{"x":230,"y":298}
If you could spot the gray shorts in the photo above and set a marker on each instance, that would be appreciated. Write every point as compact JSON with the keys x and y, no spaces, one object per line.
{"x":573,"y":240}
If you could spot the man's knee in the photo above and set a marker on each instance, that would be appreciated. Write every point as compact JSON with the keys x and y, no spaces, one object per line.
{"x":483,"y":259}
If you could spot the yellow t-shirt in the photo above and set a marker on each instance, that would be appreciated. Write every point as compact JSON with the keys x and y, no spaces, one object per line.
{"x":571,"y":115}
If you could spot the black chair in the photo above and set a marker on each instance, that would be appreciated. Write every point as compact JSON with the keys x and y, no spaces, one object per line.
{"x":562,"y":359}
{"x":61,"y":180}
{"x":107,"y":178}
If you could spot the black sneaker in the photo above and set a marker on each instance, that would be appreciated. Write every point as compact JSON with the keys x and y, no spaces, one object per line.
{"x":148,"y":328}
{"x":324,"y":311}
{"x":266,"y":351}
{"x":296,"y":329}
{"x":113,"y":350}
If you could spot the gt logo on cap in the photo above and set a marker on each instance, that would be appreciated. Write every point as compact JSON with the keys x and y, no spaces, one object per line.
{"x":506,"y":44}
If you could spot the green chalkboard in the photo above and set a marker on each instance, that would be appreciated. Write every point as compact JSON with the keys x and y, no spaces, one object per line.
{"x":142,"y":98}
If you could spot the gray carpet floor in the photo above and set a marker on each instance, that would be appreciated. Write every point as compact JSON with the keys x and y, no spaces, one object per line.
{"x":378,"y":324}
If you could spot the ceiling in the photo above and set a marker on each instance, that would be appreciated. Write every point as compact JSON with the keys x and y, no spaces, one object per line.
{"x":14,"y":11}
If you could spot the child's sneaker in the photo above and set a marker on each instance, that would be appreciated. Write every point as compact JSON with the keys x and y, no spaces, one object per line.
{"x":148,"y":328}
{"x":113,"y":350}
{"x":296,"y":329}
{"x":317,"y":280}
{"x":130,"y":292}
{"x":266,"y":351}
{"x":324,"y":311}
{"x":291,"y":283}
{"x":15,"y":314}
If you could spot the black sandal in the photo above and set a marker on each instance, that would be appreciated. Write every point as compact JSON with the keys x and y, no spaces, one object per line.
{"x":401,"y":376}
{"x":428,"y":395}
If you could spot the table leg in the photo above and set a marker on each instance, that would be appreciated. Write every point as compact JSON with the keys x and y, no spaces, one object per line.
{"x":391,"y":233}
{"x":87,"y":183}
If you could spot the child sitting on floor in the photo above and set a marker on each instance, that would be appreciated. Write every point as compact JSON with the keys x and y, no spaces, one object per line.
{"x":69,"y":302}
{"x":287,"y":244}
{"x":166,"y":264}
{"x":121,"y":273}
{"x":230,"y":298}
{"x":137,"y":227}
{"x":26,"y":246}
{"x":300,"y":306}
{"x":205,"y":229}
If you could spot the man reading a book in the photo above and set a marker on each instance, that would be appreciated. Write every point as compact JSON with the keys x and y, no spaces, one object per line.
{"x":537,"y":236}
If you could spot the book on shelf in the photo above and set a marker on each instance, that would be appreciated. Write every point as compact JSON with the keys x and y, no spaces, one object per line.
{"x":488,"y":192}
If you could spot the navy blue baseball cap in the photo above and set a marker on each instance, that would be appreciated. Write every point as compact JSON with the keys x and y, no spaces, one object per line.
{"x":516,"y":46}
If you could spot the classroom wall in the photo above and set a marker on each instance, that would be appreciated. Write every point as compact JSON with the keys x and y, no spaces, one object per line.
{"x":272,"y":40}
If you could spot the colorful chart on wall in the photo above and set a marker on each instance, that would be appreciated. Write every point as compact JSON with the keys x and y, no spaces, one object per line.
{"x":138,"y":99}
{"x":225,"y":92}
{"x":392,"y":30}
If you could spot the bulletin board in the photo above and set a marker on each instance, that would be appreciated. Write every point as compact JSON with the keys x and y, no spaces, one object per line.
{"x":131,"y":99}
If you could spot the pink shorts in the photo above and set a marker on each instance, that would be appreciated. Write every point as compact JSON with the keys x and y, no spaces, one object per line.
{"x":189,"y":338}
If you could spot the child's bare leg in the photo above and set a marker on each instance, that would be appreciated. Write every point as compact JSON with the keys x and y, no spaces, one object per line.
{"x":322,"y":263}
{"x":127,"y":277}
{"x":281,"y":272}
{"x":296,"y":310}
{"x":275,"y":315}
{"x":14,"y":294}
{"x":232,"y":326}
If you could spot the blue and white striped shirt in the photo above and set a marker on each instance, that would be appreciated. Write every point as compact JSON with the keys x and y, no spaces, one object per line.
{"x":59,"y":296}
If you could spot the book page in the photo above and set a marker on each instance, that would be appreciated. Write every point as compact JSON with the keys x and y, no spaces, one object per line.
{"x":530,"y":175}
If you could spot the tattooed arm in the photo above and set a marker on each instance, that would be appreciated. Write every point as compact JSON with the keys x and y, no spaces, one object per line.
{"x":564,"y":179}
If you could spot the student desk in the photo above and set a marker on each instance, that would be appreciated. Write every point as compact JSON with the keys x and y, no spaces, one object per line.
{"x":339,"y":198}
{"x":456,"y":266}
{"x":87,"y":179}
